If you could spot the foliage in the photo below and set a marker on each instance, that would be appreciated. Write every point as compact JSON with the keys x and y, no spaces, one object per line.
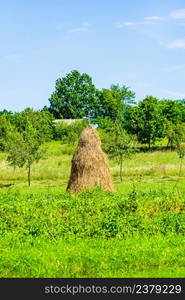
{"x":68,"y":149}
{"x":148,"y":121}
{"x":103,"y":122}
{"x":75,"y":97}
{"x":23,"y":148}
{"x":152,"y":119}
{"x":41,"y":121}
{"x":9,"y":115}
{"x":175,"y":133}
{"x":113,"y":102}
{"x":5,"y":128}
{"x":49,"y":233}
{"x":181,"y":155}
{"x":69,"y":133}
{"x":137,"y":231}
{"x":119,"y":145}
{"x":173,"y":111}
{"x":93,"y":213}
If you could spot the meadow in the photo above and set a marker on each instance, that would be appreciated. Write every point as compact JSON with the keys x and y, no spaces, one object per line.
{"x":138,"y":231}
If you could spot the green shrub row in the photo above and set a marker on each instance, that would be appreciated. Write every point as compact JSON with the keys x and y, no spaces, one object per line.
{"x":94,"y":213}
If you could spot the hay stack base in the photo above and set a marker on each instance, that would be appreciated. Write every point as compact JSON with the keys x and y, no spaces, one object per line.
{"x":90,"y":165}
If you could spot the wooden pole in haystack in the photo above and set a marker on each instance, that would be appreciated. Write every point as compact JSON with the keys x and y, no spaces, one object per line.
{"x":90,"y":165}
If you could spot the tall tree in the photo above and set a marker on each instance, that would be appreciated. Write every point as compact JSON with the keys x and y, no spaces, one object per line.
{"x":149,"y":120}
{"x":181,"y":155}
{"x":42,"y":121}
{"x":5,"y":127}
{"x":173,"y":111}
{"x":113,"y":102}
{"x":75,"y":97}
{"x":119,"y":145}
{"x":175,"y":133}
{"x":24,"y":148}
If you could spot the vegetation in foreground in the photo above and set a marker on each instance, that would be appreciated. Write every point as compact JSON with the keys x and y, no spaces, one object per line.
{"x":96,"y":234}
{"x":136,"y":232}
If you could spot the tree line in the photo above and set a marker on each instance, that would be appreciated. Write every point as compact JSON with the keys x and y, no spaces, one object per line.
{"x":121,"y":121}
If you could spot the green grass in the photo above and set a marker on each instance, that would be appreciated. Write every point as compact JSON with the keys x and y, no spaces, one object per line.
{"x":54,"y":170}
{"x":137,"y":231}
{"x":131,"y":257}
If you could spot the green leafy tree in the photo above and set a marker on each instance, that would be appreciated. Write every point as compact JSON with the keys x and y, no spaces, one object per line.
{"x":173,"y":111}
{"x":9,"y":115}
{"x":124,"y":94}
{"x":75,"y":97}
{"x":42,"y":121}
{"x":5,"y":127}
{"x":149,"y":120}
{"x":153,"y":119}
{"x":175,"y":133}
{"x":103,"y":122}
{"x":181,"y":155}
{"x":113,"y":102}
{"x":24,"y":148}
{"x":69,"y":133}
{"x":119,"y":145}
{"x":131,"y":120}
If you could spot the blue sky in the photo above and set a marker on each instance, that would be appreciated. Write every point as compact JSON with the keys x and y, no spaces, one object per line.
{"x":137,"y":43}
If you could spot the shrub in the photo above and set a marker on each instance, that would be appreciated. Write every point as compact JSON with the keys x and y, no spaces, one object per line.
{"x":69,"y":133}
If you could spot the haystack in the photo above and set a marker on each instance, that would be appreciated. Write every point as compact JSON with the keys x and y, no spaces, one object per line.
{"x":90,"y":165}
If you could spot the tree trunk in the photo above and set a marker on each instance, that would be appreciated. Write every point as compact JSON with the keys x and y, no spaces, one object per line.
{"x":180,"y":169}
{"x":167,"y":146}
{"x":121,"y":168}
{"x":29,"y":175}
{"x":149,"y":143}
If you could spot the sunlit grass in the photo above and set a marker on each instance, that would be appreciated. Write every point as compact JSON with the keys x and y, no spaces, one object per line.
{"x":142,"y":167}
{"x":136,"y":232}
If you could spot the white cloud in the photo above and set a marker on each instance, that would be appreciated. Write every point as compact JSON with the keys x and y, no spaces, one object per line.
{"x":63,"y":26}
{"x":79,"y":29}
{"x":175,"y":14}
{"x":123,"y":24}
{"x":173,"y":94}
{"x":130,"y":24}
{"x":12,"y":56}
{"x":68,"y":27}
{"x":147,"y":20}
{"x":154,"y":18}
{"x":174,"y":68}
{"x":85,"y":24}
{"x":178,"y":14}
{"x":82,"y":28}
{"x":180,"y":44}
{"x":144,"y":22}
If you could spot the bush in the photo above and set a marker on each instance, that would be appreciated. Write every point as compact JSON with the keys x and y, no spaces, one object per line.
{"x":41,"y":121}
{"x":5,"y":128}
{"x":69,"y":133}
{"x":68,"y":149}
{"x":94,"y":213}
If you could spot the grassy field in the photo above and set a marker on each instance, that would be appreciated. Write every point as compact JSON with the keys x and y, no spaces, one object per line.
{"x":138,"y":231}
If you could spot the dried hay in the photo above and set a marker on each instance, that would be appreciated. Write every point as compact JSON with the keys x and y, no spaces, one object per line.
{"x":90,"y":165}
